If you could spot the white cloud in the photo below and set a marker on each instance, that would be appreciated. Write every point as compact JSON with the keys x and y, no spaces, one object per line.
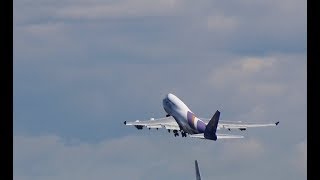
{"x":128,"y":9}
{"x":246,"y":149}
{"x":261,"y":89}
{"x":299,"y":157}
{"x":183,"y":28}
{"x":254,"y":64}
{"x":65,"y":54}
{"x":257,"y":114}
{"x":222,"y":23}
{"x":255,"y":76}
{"x":50,"y":28}
{"x":240,"y":70}
{"x":51,"y":157}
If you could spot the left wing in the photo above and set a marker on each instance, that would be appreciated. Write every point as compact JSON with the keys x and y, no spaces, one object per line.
{"x":166,"y":122}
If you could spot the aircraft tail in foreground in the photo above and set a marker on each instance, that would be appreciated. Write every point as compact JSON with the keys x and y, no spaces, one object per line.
{"x":198,"y":177}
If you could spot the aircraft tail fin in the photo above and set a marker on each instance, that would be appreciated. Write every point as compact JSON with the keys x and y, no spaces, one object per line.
{"x":211,"y":128}
{"x":198,"y":177}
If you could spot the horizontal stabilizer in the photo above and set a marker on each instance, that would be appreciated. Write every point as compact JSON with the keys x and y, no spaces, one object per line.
{"x":219,"y":136}
{"x":228,"y":136}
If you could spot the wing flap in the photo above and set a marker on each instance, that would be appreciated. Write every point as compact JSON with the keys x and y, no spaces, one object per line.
{"x":166,"y":122}
{"x":172,"y":127}
{"x":153,"y":126}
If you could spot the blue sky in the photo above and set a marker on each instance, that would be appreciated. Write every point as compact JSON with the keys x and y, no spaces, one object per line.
{"x":81,"y":68}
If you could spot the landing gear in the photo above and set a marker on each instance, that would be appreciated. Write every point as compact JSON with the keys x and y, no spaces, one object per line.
{"x":175,"y":132}
{"x":168,"y":130}
{"x":183,"y":134}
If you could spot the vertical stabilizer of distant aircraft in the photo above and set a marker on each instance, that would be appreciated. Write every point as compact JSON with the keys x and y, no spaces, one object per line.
{"x":198,"y":177}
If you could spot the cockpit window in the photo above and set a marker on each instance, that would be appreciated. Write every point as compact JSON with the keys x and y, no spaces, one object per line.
{"x":169,"y":103}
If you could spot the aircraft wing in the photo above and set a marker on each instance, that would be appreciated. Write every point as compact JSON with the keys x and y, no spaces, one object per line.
{"x":219,"y":136}
{"x":166,"y":122}
{"x":244,"y":126}
{"x":240,"y":125}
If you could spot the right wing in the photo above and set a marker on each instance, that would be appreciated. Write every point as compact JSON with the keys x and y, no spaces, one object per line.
{"x":223,"y":124}
{"x":166,"y":122}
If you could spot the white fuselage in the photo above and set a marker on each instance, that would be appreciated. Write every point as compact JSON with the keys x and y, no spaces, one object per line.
{"x":185,"y":118}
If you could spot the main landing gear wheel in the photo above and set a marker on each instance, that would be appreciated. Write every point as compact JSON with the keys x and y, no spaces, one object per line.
{"x":175,"y":132}
{"x":183,"y":134}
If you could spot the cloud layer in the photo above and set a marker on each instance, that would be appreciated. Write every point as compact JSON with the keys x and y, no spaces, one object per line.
{"x":141,"y":157}
{"x":81,"y":68}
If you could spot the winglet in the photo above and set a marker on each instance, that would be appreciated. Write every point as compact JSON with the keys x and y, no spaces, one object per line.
{"x":125,"y":122}
{"x":211,"y":128}
{"x":277,"y":123}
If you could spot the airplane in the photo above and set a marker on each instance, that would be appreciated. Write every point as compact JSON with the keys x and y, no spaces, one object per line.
{"x":180,"y":118}
{"x":198,"y":177}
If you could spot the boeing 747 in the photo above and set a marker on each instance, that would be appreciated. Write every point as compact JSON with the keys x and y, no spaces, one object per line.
{"x":180,"y":118}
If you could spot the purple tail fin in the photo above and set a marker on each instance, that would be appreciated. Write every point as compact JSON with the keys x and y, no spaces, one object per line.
{"x":211,"y":128}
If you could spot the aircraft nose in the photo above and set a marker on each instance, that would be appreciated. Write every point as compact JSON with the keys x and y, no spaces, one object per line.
{"x":170,"y":96}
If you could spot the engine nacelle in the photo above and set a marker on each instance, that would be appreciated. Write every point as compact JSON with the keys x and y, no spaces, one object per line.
{"x":138,"y":127}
